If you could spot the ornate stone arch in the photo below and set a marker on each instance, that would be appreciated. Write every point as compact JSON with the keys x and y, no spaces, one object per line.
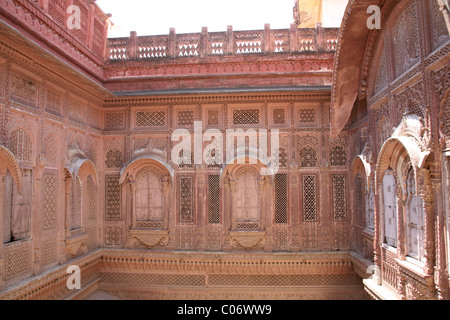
{"x":130,"y":170}
{"x":407,"y":149}
{"x":150,"y":233}
{"x":8,"y":162}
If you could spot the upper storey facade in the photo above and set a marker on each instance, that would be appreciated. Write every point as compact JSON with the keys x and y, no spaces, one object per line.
{"x":219,"y":60}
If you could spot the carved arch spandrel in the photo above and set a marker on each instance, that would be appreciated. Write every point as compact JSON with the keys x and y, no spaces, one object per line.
{"x":9,"y":163}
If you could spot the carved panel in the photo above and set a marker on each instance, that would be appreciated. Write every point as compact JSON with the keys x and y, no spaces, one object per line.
{"x":113,"y":197}
{"x":281,"y":198}
{"x":49,"y":252}
{"x":247,"y":198}
{"x":405,"y":35}
{"x":20,"y":145}
{"x":339,"y":192}
{"x":214,"y":199}
{"x":440,"y":32}
{"x":114,"y":120}
{"x":54,"y":102}
{"x":113,"y":236}
{"x":17,"y":260}
{"x":382,"y":75}
{"x":151,"y":118}
{"x":23,"y":89}
{"x":77,"y":110}
{"x":185,"y":191}
{"x":49,"y":201}
{"x":309,"y":197}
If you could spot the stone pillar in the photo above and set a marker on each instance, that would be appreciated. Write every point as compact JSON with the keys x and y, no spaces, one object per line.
{"x":230,"y":40}
{"x":132,"y":45}
{"x":401,"y":200}
{"x":441,"y":273}
{"x":226,"y":215}
{"x":133,"y":188}
{"x":172,"y":43}
{"x":204,"y":43}
{"x":320,"y":43}
{"x":90,"y":28}
{"x":68,"y":206}
{"x":266,"y":185}
{"x":2,"y":258}
{"x":294,"y":209}
{"x":444,"y":6}
{"x":426,"y":193}
{"x":36,"y":219}
{"x":232,"y":199}
{"x":293,"y":32}
{"x":268,"y":47}
{"x":201,"y":223}
{"x":377,"y":232}
{"x":165,"y":189}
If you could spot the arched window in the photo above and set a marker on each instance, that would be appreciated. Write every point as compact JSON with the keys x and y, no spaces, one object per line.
{"x":359,"y":197}
{"x":17,"y":208}
{"x":370,"y":210}
{"x":149,"y":197}
{"x":247,"y":198}
{"x":414,"y":219}
{"x":75,"y":220}
{"x":390,"y":208}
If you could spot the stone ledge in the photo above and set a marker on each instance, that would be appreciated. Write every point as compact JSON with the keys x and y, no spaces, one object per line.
{"x":378,"y":292}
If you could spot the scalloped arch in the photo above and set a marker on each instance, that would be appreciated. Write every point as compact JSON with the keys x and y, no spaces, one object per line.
{"x":9,"y":163}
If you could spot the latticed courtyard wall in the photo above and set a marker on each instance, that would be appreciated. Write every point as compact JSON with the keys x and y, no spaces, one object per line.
{"x":89,"y":176}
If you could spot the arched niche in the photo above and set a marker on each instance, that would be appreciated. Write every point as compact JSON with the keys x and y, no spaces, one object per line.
{"x":147,"y":183}
{"x":248,"y":193}
{"x":15,"y":202}
{"x":401,"y":178}
{"x":9,"y":163}
{"x":81,"y":204}
{"x":363,"y":206}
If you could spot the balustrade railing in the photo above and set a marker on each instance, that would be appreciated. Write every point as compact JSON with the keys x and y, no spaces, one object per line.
{"x":231,"y":42}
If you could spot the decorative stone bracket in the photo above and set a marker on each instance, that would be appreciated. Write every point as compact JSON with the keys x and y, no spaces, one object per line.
{"x":76,"y":245}
{"x":248,"y":239}
{"x":148,"y":238}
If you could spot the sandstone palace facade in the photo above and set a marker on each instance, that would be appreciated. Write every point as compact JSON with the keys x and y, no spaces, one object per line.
{"x":359,"y":206}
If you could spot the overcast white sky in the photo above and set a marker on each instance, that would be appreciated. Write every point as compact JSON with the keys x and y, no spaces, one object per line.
{"x":156,"y":17}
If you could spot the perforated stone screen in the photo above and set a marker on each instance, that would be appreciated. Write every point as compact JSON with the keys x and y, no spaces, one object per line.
{"x":246,"y":116}
{"x":281,"y":198}
{"x":309,"y":198}
{"x":213,"y":199}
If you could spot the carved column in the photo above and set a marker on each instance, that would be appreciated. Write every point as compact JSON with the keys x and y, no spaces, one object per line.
{"x":68,"y":206}
{"x":226,"y":215}
{"x":294,"y":210}
{"x":267,"y":211}
{"x":426,"y":193}
{"x":36,"y":219}
{"x":401,"y":200}
{"x":165,"y":189}
{"x":377,"y":238}
{"x":444,"y":6}
{"x":2,"y":258}
{"x":133,"y":188}
{"x":201,"y":213}
{"x":441,"y":273}
{"x":232,"y":199}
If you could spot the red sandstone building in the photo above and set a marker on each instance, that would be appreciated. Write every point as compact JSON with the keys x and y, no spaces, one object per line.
{"x":358,"y":208}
